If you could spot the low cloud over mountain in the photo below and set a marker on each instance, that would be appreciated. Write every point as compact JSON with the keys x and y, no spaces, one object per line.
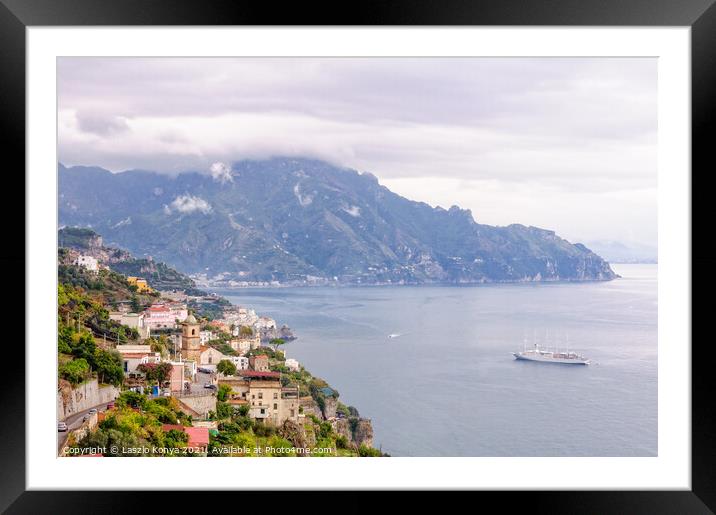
{"x":291,"y":219}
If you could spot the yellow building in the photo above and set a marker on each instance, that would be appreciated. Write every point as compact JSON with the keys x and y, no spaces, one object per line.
{"x":140,"y":283}
{"x":268,"y":401}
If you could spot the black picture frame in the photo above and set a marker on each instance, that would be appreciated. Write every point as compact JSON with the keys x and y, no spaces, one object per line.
{"x":700,"y":15}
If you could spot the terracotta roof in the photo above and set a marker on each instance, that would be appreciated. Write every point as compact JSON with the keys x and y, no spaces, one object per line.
{"x":160,"y":307}
{"x":256,"y":373}
{"x":198,"y":436}
{"x":136,"y":354}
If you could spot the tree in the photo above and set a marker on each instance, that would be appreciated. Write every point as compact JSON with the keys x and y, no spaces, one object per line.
{"x":246,"y":330}
{"x":131,"y":399}
{"x":276,"y":342}
{"x":64,"y":339}
{"x":223,"y":393}
{"x":108,"y":365}
{"x":175,"y":438}
{"x":160,"y":345}
{"x":83,"y":346}
{"x":223,"y":411}
{"x":156,"y":372}
{"x":226,"y":367}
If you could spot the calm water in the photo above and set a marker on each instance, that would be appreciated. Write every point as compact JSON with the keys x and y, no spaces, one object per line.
{"x":448,"y":385}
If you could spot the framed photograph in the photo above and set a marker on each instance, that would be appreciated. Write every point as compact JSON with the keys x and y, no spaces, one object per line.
{"x":442,"y":249}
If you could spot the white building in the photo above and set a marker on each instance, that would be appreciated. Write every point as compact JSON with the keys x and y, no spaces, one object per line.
{"x":293,"y":365}
{"x":133,"y":320}
{"x":179,"y":311}
{"x":241,"y":362}
{"x":244,"y":316}
{"x":210,"y":357}
{"x":87,"y":262}
{"x":135,"y":355}
{"x":265,"y":323}
{"x":205,"y":337}
{"x":159,"y":316}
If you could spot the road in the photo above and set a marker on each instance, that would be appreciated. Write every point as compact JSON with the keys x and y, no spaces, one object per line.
{"x":201,"y":379}
{"x":73,"y":422}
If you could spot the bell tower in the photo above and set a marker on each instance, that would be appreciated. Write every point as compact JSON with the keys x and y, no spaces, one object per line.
{"x":190,"y":341}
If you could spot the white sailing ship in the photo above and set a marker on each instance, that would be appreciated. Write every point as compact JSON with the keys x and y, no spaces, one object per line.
{"x":550,"y":356}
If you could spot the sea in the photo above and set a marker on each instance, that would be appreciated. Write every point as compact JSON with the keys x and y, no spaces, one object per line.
{"x":431,"y":366}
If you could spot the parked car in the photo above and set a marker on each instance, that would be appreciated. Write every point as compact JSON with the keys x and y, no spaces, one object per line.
{"x":210,"y":386}
{"x":61,"y":426}
{"x":110,"y":405}
{"x":93,"y":411}
{"x":85,"y":418}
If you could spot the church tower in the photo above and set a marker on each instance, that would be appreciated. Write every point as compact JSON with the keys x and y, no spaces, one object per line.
{"x":190,"y":341}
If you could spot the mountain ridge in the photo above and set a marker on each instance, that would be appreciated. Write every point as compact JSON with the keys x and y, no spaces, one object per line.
{"x":300,"y":221}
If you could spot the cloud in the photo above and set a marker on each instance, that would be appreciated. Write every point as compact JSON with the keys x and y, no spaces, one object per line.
{"x":354,"y":211}
{"x":221,"y":172}
{"x":99,"y":124}
{"x":579,"y":127}
{"x":188,"y":204}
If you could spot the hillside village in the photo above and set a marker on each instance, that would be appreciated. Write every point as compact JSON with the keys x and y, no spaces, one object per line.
{"x":144,"y":371}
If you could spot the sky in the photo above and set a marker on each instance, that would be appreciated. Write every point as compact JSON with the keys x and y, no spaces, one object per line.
{"x":568,"y":144}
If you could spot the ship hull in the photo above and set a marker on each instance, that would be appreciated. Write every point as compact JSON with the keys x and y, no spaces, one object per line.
{"x":549,"y":359}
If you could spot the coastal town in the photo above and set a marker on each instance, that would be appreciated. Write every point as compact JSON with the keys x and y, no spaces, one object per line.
{"x":145,"y":371}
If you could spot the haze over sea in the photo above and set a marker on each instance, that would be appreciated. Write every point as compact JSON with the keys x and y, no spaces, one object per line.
{"x":448,"y":385}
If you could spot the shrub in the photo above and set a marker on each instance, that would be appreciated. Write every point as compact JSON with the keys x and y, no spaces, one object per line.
{"x":75,"y":371}
{"x":343,"y":410}
{"x":325,"y":429}
{"x":261,"y":429}
{"x":368,"y":452}
{"x":276,"y":442}
{"x":244,"y":440}
{"x":156,"y":372}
